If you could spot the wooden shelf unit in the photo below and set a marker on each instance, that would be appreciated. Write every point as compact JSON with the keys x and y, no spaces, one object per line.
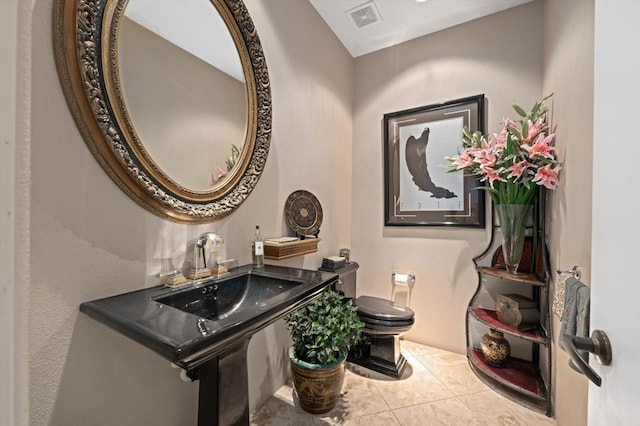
{"x":527,"y":382}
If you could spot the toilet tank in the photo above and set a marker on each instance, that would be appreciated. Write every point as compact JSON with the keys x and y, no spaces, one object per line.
{"x":347,"y":279}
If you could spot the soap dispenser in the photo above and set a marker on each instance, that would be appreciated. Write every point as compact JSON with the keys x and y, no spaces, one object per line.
{"x":257,"y":249}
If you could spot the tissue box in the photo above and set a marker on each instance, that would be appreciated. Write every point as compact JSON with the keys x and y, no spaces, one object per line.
{"x":334,"y":262}
{"x":517,"y":311}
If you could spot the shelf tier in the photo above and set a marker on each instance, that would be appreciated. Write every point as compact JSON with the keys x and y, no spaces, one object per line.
{"x":490,"y":318}
{"x":525,"y":278}
{"x":518,"y":375}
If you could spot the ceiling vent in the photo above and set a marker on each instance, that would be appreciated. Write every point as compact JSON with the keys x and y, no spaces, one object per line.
{"x":365,"y":14}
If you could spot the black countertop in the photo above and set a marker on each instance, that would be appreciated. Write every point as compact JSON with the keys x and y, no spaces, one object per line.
{"x":189,"y":340}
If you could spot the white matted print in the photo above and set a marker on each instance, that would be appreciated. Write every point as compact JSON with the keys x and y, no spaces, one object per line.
{"x":418,"y":188}
{"x":432,"y":188}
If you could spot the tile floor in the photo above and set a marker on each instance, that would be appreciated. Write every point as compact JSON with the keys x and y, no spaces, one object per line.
{"x":440,"y":390}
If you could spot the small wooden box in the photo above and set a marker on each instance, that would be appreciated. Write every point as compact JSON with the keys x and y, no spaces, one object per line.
{"x":279,"y":251}
{"x":517,"y":311}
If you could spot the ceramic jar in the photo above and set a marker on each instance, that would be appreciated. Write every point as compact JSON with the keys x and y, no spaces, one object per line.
{"x":317,"y":386}
{"x":495,"y":348}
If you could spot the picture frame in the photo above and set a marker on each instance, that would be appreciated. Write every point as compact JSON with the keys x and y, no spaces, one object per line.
{"x":419,"y":191}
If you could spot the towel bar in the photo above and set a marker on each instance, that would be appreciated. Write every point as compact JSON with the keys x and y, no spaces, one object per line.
{"x":575,"y":272}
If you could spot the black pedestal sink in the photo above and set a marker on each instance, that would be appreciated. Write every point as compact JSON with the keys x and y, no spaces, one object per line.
{"x":205,"y":327}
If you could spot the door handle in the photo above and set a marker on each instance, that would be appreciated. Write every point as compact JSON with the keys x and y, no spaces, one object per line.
{"x":598,"y":344}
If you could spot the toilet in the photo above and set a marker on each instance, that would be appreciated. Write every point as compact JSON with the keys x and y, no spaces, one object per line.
{"x":384,"y":323}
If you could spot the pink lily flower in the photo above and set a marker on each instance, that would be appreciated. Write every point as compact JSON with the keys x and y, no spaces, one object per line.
{"x":491,"y":175}
{"x":534,"y":130}
{"x":486,"y":144}
{"x":499,"y":142}
{"x":517,"y":169}
{"x":547,"y":176}
{"x":509,"y":122}
{"x":487,"y":159}
{"x":540,"y":148}
{"x":503,"y":136}
{"x":464,"y":160}
{"x":217,"y":174}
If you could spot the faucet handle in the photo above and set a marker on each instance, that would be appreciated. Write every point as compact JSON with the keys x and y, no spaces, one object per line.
{"x":220,"y":269}
{"x":172,"y":278}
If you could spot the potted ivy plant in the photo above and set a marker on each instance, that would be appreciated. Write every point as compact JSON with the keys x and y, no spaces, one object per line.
{"x":322,"y":331}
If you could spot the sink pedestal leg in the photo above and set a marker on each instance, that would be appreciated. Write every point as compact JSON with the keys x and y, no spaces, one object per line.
{"x":223,"y":395}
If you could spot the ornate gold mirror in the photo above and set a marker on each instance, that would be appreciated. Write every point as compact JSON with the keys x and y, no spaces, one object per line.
{"x":172,"y":98}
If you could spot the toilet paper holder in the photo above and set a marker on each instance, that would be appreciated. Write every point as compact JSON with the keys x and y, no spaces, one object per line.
{"x":404,"y":280}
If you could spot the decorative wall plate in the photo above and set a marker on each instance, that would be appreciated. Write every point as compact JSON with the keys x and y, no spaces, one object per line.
{"x":303,"y":213}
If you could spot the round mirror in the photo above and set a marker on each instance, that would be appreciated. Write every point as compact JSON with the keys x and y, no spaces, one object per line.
{"x":172,"y":98}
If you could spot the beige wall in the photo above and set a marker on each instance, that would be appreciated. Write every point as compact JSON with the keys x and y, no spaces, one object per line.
{"x":568,"y":72}
{"x":478,"y":57}
{"x":83,"y":238}
{"x":13,"y":367}
{"x":175,"y":98}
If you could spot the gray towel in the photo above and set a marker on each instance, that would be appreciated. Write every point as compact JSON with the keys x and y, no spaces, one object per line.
{"x":570,"y":312}
{"x":575,"y":317}
{"x":582,"y":315}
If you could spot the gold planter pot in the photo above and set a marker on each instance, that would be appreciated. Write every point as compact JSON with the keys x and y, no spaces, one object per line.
{"x":317,"y":386}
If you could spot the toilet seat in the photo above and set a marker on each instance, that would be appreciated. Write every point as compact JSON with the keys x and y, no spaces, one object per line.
{"x":383,"y":316}
{"x":383,"y":309}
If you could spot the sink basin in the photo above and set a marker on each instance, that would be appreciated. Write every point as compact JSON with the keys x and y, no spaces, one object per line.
{"x":193,"y":324}
{"x":218,"y":299}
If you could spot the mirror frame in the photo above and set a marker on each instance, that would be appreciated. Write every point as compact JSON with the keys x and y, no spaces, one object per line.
{"x":85,"y":42}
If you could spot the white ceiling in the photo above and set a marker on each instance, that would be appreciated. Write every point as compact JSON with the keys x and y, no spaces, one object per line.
{"x":401,"y":20}
{"x":193,"y":25}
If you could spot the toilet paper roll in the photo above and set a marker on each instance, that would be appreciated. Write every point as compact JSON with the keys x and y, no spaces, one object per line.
{"x":401,"y":279}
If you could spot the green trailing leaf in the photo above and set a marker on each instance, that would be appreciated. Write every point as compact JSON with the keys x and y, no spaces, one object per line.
{"x":519,"y":110}
{"x":525,"y":128}
{"x":535,"y":110}
{"x":466,"y":133}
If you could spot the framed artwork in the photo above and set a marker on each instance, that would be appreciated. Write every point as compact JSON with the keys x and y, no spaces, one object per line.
{"x":418,"y":188}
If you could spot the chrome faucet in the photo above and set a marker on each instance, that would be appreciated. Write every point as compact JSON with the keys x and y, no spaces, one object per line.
{"x":199,"y":268}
